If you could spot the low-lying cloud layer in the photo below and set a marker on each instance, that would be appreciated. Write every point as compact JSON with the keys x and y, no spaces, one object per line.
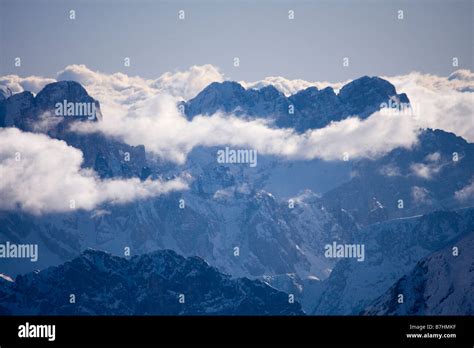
{"x":12,"y":84}
{"x":445,"y":103}
{"x":159,"y":125}
{"x":41,"y":175}
{"x":119,"y":86}
{"x":142,"y":111}
{"x":130,"y":89}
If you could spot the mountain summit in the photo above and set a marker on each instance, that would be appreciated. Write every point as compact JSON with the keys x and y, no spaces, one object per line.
{"x":40,"y":113}
{"x":308,"y":109}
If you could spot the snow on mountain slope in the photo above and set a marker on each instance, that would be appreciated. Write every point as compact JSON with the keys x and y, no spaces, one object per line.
{"x":37,"y":114}
{"x":227,"y":207}
{"x":391,"y":249}
{"x":220,"y":213}
{"x":159,"y":283}
{"x":440,"y":284}
{"x":425,"y":178}
{"x":239,"y":218}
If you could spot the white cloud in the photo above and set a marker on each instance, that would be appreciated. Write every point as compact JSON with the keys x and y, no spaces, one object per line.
{"x":140,"y":111}
{"x":158,"y":124}
{"x":17,"y":84}
{"x":187,"y":84}
{"x":46,"y":122}
{"x":433,"y":157}
{"x":289,"y":87}
{"x":421,"y":170}
{"x":420,"y":195}
{"x":462,"y":75}
{"x":127,"y":89}
{"x":466,"y":192}
{"x":442,"y":103}
{"x":460,"y":80}
{"x":48,"y":174}
{"x":110,"y":88}
{"x":428,"y":170}
{"x":390,"y":170}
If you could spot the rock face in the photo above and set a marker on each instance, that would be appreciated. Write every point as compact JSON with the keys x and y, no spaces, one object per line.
{"x":230,"y":96}
{"x":37,"y":114}
{"x":271,"y":238}
{"x":363,"y":96}
{"x":308,"y":109}
{"x":30,"y":113}
{"x":70,"y":91}
{"x":392,"y":249}
{"x":425,"y":177}
{"x":150,"y":284}
{"x":439,"y":284}
{"x":17,"y":110}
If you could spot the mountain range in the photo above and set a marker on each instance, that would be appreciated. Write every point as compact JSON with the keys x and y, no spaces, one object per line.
{"x":158,"y":283}
{"x":234,"y":206}
{"x":440,"y":284}
{"x":392,"y":249}
{"x":307,"y":109}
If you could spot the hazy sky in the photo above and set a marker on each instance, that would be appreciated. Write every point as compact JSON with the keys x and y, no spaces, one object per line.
{"x":309,"y":47}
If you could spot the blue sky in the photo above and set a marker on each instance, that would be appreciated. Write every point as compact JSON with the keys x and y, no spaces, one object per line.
{"x":310,"y":47}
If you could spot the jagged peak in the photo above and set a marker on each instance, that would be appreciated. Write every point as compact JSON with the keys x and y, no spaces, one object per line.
{"x":366,"y":83}
{"x":439,"y":135}
{"x":63,"y":86}
{"x":227,"y":88}
{"x":314,"y":92}
{"x":270,"y":90}
{"x":94,"y":252}
{"x":66,"y":92}
{"x":224,"y":86}
{"x":25,"y":95}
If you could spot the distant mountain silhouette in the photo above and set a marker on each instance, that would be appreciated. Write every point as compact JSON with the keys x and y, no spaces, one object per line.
{"x":149,"y":284}
{"x":308,"y":109}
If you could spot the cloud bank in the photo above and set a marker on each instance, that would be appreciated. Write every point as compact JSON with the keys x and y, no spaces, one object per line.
{"x":130,"y":89}
{"x":159,"y":125}
{"x":289,"y":87}
{"x":42,"y":175}
{"x":442,"y":103}
{"x":187,"y":84}
{"x":12,"y":84}
{"x":143,"y":111}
